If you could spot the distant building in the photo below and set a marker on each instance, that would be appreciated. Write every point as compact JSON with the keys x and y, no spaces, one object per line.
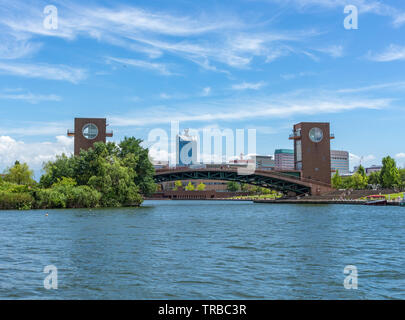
{"x":186,"y":149}
{"x":265,"y":162}
{"x":284,"y":159}
{"x":160,"y":164}
{"x":339,"y":160}
{"x":373,"y":169}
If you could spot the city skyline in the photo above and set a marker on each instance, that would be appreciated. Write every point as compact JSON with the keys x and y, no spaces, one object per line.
{"x":261,"y":65}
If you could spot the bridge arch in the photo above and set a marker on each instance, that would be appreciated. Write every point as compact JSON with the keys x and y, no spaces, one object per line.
{"x":279,"y":181}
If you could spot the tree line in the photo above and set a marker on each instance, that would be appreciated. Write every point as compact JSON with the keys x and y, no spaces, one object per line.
{"x":390,"y":177}
{"x":107,"y":175}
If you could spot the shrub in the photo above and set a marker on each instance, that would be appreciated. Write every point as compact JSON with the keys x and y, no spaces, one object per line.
{"x":21,"y":201}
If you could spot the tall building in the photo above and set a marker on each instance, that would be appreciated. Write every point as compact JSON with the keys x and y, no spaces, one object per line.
{"x":186,"y":149}
{"x":339,"y":160}
{"x":88,"y":131}
{"x":284,"y":159}
{"x":312,"y":150}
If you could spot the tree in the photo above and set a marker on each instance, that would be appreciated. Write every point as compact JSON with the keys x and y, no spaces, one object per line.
{"x":390,"y":176}
{"x":358,"y":182}
{"x":201,"y":187}
{"x":177,"y":185}
{"x":374,"y":178}
{"x":337,"y":181}
{"x":120,"y":173}
{"x":233,"y":186}
{"x":19,"y":174}
{"x":190,"y":187}
{"x":361,"y":171}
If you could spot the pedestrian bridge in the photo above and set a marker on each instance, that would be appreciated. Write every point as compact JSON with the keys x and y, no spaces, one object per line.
{"x":288,"y":182}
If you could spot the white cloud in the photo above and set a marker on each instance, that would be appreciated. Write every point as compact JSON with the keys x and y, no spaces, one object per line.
{"x":35,"y":154}
{"x":44,"y":71}
{"x":230,"y":41}
{"x":243,"y":109}
{"x":392,"y":53}
{"x":247,"y":85}
{"x":334,"y":51}
{"x":400,"y":155}
{"x":158,"y":67}
{"x":364,"y":6}
{"x":390,"y":85}
{"x":206,"y":91}
{"x":30,"y":97}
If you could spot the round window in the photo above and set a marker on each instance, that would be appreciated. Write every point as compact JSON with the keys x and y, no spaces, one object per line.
{"x":90,"y":131}
{"x":316,"y":135}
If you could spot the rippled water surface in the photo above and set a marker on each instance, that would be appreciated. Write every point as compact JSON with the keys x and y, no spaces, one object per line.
{"x":204,"y":250}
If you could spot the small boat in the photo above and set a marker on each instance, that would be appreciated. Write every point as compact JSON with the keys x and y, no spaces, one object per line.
{"x":376,"y":200}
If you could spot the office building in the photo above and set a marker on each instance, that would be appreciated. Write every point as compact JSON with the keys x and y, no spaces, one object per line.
{"x":339,"y":160}
{"x":284,"y":159}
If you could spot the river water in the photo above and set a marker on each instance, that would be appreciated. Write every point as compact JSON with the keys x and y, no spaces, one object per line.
{"x":204,"y":250}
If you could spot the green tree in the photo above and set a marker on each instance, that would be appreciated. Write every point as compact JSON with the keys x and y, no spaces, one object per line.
{"x":337,"y":181}
{"x":134,"y":155}
{"x":374,"y":178}
{"x":358,"y":181}
{"x":232,"y":186}
{"x":390,"y":176}
{"x":19,"y":174}
{"x":201,"y":187}
{"x":361,"y":171}
{"x":190,"y":187}
{"x":177,"y":185}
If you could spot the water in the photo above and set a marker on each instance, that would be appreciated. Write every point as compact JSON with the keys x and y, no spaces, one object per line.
{"x":204,"y":250}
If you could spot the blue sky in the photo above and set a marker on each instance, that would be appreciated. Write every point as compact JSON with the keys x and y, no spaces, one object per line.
{"x":261,"y":64}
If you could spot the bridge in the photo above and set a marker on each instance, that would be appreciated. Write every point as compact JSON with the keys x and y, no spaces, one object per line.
{"x":287,"y":182}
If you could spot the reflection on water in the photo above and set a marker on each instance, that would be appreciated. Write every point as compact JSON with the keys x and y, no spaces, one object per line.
{"x":204,"y":250}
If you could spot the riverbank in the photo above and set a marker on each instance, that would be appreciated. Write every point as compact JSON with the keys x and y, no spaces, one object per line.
{"x":302,"y":201}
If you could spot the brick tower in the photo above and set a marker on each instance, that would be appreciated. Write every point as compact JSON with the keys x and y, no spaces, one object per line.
{"x":88,"y":131}
{"x":312,"y":150}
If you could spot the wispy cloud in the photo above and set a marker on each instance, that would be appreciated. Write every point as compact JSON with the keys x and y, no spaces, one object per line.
{"x":335,"y":51}
{"x":392,"y":53}
{"x":158,"y":67}
{"x":249,"y":85}
{"x":30,"y":97}
{"x":221,"y":39}
{"x":391,"y":85}
{"x":44,"y":71}
{"x":364,"y":6}
{"x":285,"y":105}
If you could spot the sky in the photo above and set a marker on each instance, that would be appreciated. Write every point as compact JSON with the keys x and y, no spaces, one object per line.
{"x":230,"y":64}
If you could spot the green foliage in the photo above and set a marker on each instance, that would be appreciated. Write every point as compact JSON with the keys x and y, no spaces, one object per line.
{"x":12,"y":200}
{"x":201,"y":187}
{"x":233,"y":186}
{"x":389,"y":174}
{"x":361,"y":171}
{"x":337,"y":181}
{"x":19,"y":174}
{"x":120,"y":173}
{"x":374,"y":178}
{"x":190,"y":187}
{"x":177,"y":185}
